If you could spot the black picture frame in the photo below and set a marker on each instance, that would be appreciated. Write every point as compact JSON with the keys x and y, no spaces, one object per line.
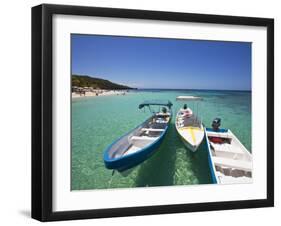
{"x":42,"y":111}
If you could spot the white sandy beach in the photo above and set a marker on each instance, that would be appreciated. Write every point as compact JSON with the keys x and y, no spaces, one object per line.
{"x":98,"y":93}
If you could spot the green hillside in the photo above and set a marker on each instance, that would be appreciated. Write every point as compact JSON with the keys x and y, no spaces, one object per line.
{"x":97,"y":83}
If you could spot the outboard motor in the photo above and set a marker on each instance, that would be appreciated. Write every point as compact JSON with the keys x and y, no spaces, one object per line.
{"x":216,"y":124}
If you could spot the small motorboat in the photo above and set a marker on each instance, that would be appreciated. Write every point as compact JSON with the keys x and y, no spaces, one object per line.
{"x":140,"y":143}
{"x":188,"y":124}
{"x":230,"y":162}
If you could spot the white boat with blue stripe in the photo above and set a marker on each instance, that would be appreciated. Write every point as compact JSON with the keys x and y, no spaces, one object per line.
{"x":230,"y":162}
{"x":140,"y":143}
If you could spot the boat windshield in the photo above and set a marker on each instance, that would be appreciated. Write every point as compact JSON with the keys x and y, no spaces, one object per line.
{"x":189,"y":115}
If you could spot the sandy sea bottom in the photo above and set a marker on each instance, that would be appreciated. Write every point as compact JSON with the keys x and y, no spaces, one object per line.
{"x":98,"y":121}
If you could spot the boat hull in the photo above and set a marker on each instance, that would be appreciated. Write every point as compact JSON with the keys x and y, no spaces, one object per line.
{"x":135,"y":159}
{"x":230,"y":164}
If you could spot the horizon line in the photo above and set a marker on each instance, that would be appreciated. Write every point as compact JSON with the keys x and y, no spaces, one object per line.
{"x":197,"y":89}
{"x":120,"y":83}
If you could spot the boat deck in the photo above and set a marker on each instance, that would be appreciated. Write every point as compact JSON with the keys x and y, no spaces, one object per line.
{"x":146,"y":136}
{"x":232,"y":161}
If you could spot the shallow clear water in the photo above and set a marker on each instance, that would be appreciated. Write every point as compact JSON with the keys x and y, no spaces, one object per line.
{"x":98,"y":121}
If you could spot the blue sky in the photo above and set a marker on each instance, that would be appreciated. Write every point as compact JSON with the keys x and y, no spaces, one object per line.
{"x":163,"y":63}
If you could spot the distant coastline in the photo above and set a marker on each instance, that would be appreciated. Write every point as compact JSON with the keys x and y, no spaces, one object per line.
{"x":96,"y":83}
{"x":97,"y":93}
{"x":86,"y":86}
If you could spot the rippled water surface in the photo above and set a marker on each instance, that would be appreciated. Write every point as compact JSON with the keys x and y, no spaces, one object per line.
{"x":98,"y":121}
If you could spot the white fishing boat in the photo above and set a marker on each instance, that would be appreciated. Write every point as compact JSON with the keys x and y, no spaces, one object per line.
{"x":230,"y":162}
{"x":188,"y":124}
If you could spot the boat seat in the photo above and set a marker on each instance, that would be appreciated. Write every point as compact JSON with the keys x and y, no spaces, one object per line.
{"x":216,"y":134}
{"x":143,"y":138}
{"x":160,"y":120}
{"x":163,"y":114}
{"x":152,"y":130}
{"x":226,"y":148}
{"x":231,"y":163}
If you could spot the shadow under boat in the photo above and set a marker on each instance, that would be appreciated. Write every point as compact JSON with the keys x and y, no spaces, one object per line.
{"x":200,"y":164}
{"x":159,"y":170}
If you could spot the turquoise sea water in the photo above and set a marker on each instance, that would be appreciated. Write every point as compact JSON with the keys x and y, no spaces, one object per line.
{"x":98,"y":121}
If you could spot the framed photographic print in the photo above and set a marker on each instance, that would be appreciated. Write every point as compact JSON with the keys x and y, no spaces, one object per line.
{"x":145,"y":112}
